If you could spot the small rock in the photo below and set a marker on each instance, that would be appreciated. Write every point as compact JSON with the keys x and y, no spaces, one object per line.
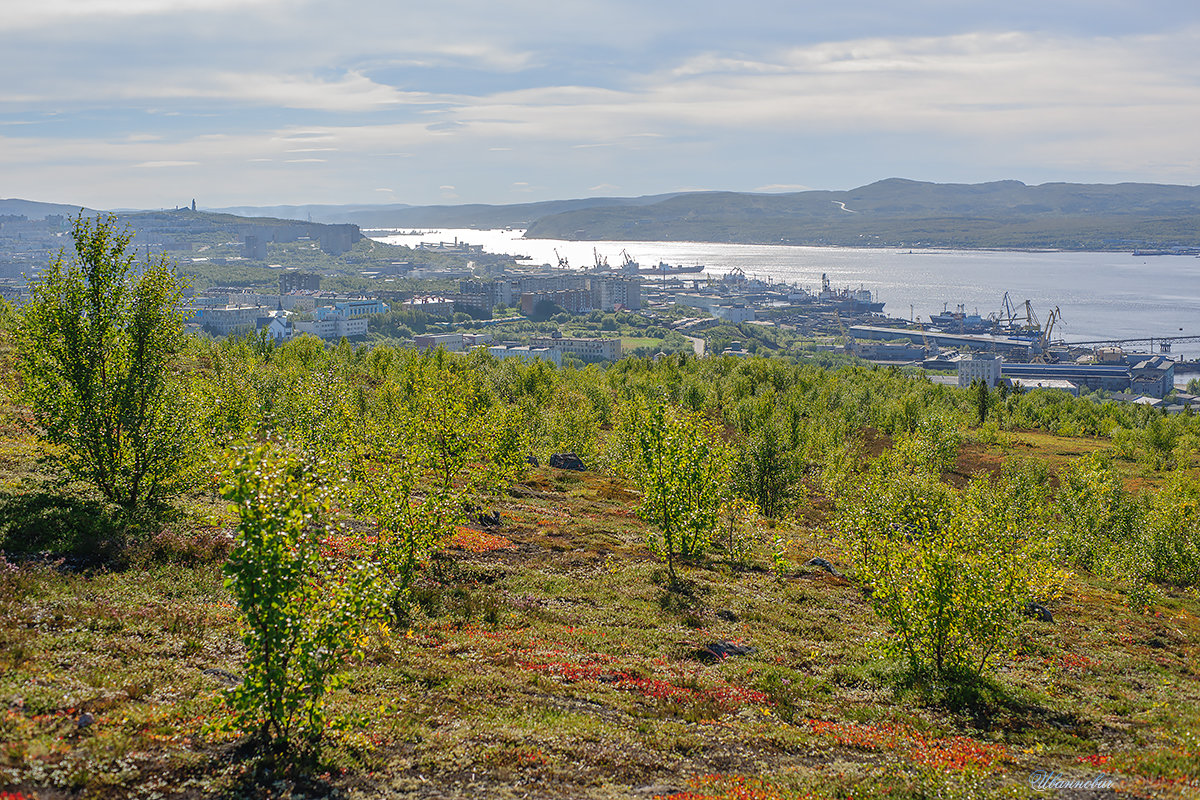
{"x":817,"y":561}
{"x":222,"y":675}
{"x":1037,"y":611}
{"x":567,"y":461}
{"x":85,"y":719}
{"x":718,"y":651}
{"x":489,"y":519}
{"x":728,"y":616}
{"x":532,"y":461}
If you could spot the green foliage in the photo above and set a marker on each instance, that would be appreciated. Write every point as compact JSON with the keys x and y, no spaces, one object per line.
{"x":932,"y":448}
{"x":425,"y":448}
{"x":681,"y":467}
{"x":980,"y":397}
{"x":765,"y":472}
{"x":97,"y":345}
{"x":738,"y":529}
{"x":1138,"y":541}
{"x":1095,"y":512}
{"x":301,"y":621}
{"x":948,"y":571}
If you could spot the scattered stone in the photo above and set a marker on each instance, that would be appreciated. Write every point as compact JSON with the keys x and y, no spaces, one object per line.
{"x":719,"y":651}
{"x":726,"y":615}
{"x":1037,"y":611}
{"x":85,"y":720}
{"x":817,"y":561}
{"x":567,"y":461}
{"x":222,"y":675}
{"x":489,"y":519}
{"x":532,"y":461}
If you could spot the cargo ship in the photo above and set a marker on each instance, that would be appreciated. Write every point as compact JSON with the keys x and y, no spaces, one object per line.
{"x":853,"y":301}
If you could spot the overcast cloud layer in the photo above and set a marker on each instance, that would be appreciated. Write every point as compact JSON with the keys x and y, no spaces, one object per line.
{"x":149,"y":103}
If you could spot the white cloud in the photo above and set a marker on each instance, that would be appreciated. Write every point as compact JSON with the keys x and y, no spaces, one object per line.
{"x":23,"y":14}
{"x":161,"y":164}
{"x":353,"y":107}
{"x":783,"y":187}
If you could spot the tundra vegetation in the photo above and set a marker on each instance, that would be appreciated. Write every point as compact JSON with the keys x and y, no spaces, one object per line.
{"x":367,"y":582}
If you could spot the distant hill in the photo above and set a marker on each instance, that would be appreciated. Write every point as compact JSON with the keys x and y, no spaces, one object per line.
{"x":35,"y":210}
{"x":889,"y":213}
{"x":478,"y":215}
{"x":905,"y":213}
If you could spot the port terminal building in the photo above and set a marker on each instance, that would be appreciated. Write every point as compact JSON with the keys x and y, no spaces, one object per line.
{"x":1153,"y":376}
{"x":977,"y":341}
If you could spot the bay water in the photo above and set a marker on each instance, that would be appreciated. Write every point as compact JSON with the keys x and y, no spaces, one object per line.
{"x":1109,"y":295}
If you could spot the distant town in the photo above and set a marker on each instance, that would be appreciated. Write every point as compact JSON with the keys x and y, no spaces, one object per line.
{"x":279,"y":279}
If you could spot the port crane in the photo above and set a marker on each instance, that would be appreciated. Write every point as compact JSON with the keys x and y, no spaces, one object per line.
{"x":1044,"y":356}
{"x":562,"y":262}
{"x":1010,"y":318}
{"x":601,"y":264}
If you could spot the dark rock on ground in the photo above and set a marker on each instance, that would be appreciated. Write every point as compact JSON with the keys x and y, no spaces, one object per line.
{"x":728,"y":616}
{"x":718,"y":651}
{"x":222,"y":675}
{"x":1037,"y":611}
{"x":567,"y":461}
{"x":817,"y":561}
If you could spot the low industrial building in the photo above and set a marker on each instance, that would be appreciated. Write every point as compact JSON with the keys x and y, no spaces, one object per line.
{"x":979,"y":342}
{"x":1144,"y":375}
{"x":719,"y":307}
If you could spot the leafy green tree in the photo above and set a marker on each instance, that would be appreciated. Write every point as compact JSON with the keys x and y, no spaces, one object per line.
{"x":300,"y":620}
{"x":979,"y":397}
{"x":96,"y":346}
{"x":681,"y":467}
{"x":764,"y":472}
{"x":948,"y":571}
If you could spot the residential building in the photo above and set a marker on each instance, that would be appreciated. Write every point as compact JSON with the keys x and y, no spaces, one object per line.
{"x":332,"y":328}
{"x":223,"y":320}
{"x":979,"y":367}
{"x":349,"y":309}
{"x":293,"y":280}
{"x":434,"y":306}
{"x":583,"y":349}
{"x":528,"y":353}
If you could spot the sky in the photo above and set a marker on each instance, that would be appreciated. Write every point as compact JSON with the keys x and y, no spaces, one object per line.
{"x":151,"y":103}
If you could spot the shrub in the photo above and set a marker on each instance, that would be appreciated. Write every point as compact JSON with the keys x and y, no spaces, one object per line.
{"x":948,"y":571}
{"x":738,"y":529}
{"x":765,"y":472}
{"x":1095,"y":511}
{"x":96,"y":347}
{"x":300,"y":621}
{"x":681,"y":467}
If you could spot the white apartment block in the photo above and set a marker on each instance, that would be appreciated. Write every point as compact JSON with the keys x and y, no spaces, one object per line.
{"x":334,"y":328}
{"x":979,"y":367}
{"x":586,"y":349}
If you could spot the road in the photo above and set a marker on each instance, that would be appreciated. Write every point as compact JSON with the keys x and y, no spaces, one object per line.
{"x":697,"y":344}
